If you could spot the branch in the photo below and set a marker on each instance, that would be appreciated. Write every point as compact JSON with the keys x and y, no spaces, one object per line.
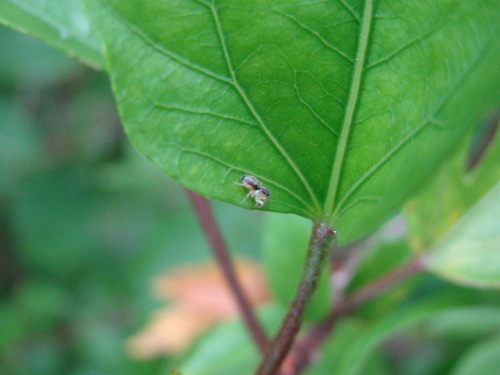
{"x":317,"y":253}
{"x":381,"y":284}
{"x":308,"y":345}
{"x":221,"y":254}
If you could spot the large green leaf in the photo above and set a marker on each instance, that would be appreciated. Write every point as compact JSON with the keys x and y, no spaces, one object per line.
{"x":60,"y":23}
{"x":341,"y":107}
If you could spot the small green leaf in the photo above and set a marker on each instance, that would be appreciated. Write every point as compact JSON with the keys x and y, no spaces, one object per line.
{"x":285,"y":238}
{"x":481,"y":359}
{"x":342,"y":108}
{"x":60,"y":23}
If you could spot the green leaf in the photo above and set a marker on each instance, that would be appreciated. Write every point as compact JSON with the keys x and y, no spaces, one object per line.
{"x":461,"y":235}
{"x":353,"y":358}
{"x":285,"y":238}
{"x":357,"y":352}
{"x":227,"y":350}
{"x":465,"y":323}
{"x":333,"y":348}
{"x":342,"y":108}
{"x":481,"y":359}
{"x":456,"y":190}
{"x":468,"y":253}
{"x":60,"y":23}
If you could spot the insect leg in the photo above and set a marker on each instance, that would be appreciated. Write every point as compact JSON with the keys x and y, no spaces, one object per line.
{"x":247,"y":196}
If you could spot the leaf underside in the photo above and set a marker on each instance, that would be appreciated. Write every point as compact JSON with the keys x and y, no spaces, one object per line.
{"x":341,"y":107}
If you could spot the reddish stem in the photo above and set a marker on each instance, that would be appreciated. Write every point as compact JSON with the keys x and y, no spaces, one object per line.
{"x":308,"y":345}
{"x":381,"y":284}
{"x":317,"y":253}
{"x":221,"y":254}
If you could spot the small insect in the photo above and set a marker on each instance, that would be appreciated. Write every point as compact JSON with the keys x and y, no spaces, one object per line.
{"x":255,"y":190}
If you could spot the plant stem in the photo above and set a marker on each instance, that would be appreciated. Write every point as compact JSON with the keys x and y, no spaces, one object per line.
{"x":223,"y":258}
{"x":317,"y":253}
{"x":309,"y":344}
{"x":381,"y":284}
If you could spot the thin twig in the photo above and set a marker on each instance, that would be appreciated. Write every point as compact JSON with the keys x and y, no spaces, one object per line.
{"x":317,"y":254}
{"x":221,"y":254}
{"x":381,"y":284}
{"x":308,"y":345}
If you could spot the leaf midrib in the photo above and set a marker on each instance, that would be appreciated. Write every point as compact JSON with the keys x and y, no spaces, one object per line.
{"x":413,"y":133}
{"x":350,"y":108}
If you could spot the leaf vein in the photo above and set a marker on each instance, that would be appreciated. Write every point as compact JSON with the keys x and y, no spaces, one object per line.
{"x":316,"y":34}
{"x":254,"y":112}
{"x":352,"y":102}
{"x":164,"y":51}
{"x":412,"y":134}
{"x":315,"y":114}
{"x":196,"y":111}
{"x":350,"y":10}
{"x":402,"y":48}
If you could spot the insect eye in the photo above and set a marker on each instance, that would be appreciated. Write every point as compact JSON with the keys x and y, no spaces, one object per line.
{"x":242,"y":178}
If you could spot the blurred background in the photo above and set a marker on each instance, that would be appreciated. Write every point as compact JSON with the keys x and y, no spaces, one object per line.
{"x":85,"y":222}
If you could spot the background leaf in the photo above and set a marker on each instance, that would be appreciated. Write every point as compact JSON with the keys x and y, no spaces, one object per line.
{"x":227,"y":350}
{"x":482,"y":359}
{"x":332,"y":122}
{"x":468,"y":253}
{"x":60,"y":23}
{"x":466,"y":323}
{"x":284,"y":239}
{"x":332,"y":351}
{"x":456,"y":189}
{"x":349,"y":354}
{"x":461,"y":235}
